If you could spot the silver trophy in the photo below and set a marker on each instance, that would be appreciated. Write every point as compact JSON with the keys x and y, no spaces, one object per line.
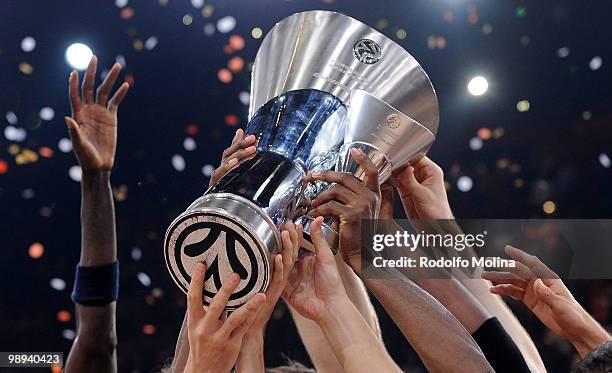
{"x":322,"y":83}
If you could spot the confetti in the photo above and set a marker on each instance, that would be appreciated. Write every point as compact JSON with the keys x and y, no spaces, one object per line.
{"x":207,"y":170}
{"x":11,"y":117}
{"x":151,"y":43}
{"x":604,"y":160}
{"x":144,"y":279}
{"x":523,"y":106}
{"x":28,"y":44}
{"x":57,"y":284}
{"x":226,"y":24}
{"x":64,"y":145}
{"x":595,"y":63}
{"x":36,"y":250}
{"x":256,"y":33}
{"x":563,"y":52}
{"x":189,"y":144}
{"x":178,"y":162}
{"x":47,"y":113}
{"x":465,"y":183}
{"x":75,"y":173}
{"x":476,"y":143}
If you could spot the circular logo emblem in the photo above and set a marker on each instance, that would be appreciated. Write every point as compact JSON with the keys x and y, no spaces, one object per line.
{"x":225,"y":246}
{"x":367,"y":51}
{"x":393,"y":121}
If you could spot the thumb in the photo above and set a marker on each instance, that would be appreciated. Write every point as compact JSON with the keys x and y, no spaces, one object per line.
{"x":321,"y":246}
{"x":547,"y":296}
{"x":406,"y":182}
{"x":73,"y":129}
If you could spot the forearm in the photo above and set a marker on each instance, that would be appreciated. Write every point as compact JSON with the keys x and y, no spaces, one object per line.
{"x":425,"y":323}
{"x":94,"y":349}
{"x":353,"y":342}
{"x":98,"y":237}
{"x":251,"y":357}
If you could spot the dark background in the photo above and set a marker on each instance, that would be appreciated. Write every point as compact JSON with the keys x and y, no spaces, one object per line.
{"x":555,"y":152}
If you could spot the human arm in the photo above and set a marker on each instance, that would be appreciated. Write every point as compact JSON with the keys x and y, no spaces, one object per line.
{"x":93,"y":131}
{"x":541,"y":290}
{"x":316,"y":292}
{"x":251,"y":357}
{"x":424,"y":198}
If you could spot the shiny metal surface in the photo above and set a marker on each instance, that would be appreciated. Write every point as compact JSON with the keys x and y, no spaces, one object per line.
{"x":390,"y":138}
{"x":319,"y":50}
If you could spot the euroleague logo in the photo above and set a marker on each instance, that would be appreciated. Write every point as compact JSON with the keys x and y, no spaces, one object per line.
{"x":367,"y":51}
{"x":225,"y":246}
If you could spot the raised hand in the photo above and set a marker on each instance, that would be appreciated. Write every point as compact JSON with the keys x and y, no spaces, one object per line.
{"x":421,"y":189}
{"x":541,"y":290}
{"x":241,"y":148}
{"x":214,"y":344}
{"x":351,"y":200}
{"x":93,"y":125}
{"x":314,"y":284}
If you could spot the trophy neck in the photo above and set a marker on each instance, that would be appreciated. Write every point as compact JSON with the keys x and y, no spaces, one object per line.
{"x":346,"y":163}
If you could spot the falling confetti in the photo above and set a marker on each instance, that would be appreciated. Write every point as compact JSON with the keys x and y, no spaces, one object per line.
{"x":178,"y":162}
{"x":28,"y":44}
{"x":226,"y":24}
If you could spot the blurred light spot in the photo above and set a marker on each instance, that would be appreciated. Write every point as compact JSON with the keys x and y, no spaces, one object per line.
{"x":120,"y":59}
{"x":595,"y":63}
{"x":549,"y":207}
{"x":11,"y":117}
{"x":178,"y":162}
{"x":15,"y":134}
{"x":136,"y":254}
{"x":502,"y":163}
{"x":36,"y":250}
{"x":448,"y":16}
{"x":208,"y":169}
{"x":209,"y":29}
{"x":226,"y":24}
{"x":244,"y":97}
{"x":163,"y":2}
{"x":151,"y":43}
{"x":256,"y":33}
{"x":26,"y":68}
{"x":587,"y":115}
{"x":28,"y":193}
{"x":498,"y":132}
{"x":231,"y":120}
{"x":476,"y":143}
{"x":192,"y":129}
{"x":57,"y":284}
{"x":382,"y":24}
{"x":208,"y":10}
{"x":197,"y":3}
{"x":47,"y":113}
{"x":401,"y":34}
{"x":465,"y":183}
{"x":605,"y":160}
{"x":519,"y":183}
{"x":120,"y":193}
{"x":484,"y":133}
{"x":187,"y":19}
{"x":525,"y":40}
{"x":563,"y":52}
{"x":75,"y":173}
{"x":68,"y":334}
{"x":520,"y":11}
{"x":225,"y":75}
{"x":189,"y":144}
{"x":78,"y":56}
{"x":487,"y":28}
{"x":440,"y":42}
{"x":236,"y":42}
{"x":523,"y":106}
{"x":63,"y":316}
{"x":64,"y":145}
{"x":144,"y":279}
{"x":121,"y":3}
{"x":473,"y":18}
{"x":45,"y":152}
{"x":137,"y":44}
{"x":148,"y":329}
{"x":46,"y":211}
{"x":235,"y":64}
{"x":28,"y":44}
{"x":127,"y":13}
{"x":478,"y":86}
{"x":157,"y":292}
{"x":3,"y":167}
{"x":13,"y":149}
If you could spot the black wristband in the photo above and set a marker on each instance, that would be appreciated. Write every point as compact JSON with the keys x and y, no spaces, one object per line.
{"x":499,"y":349}
{"x":96,"y":286}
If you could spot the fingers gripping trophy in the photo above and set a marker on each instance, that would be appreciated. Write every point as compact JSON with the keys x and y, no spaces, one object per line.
{"x":322,"y":84}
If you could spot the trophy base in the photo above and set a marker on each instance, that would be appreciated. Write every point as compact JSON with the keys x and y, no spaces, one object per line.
{"x":231,"y":235}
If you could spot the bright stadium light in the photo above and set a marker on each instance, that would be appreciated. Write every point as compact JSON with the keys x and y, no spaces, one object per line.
{"x":478,"y":86}
{"x":78,"y":56}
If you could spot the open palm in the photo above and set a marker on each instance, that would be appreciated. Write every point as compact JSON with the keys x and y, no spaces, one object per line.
{"x":93,"y":125}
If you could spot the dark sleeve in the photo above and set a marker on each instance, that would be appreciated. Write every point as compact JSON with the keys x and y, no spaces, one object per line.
{"x":598,"y":361}
{"x":499,"y":348}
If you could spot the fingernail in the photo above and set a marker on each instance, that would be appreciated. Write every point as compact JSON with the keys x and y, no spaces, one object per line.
{"x":259,"y":299}
{"x":250,"y":137}
{"x":235,"y":278}
{"x":232,"y":161}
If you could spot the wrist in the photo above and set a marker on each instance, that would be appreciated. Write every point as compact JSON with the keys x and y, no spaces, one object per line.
{"x":95,"y":174}
{"x":334,"y":312}
{"x":590,"y":337}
